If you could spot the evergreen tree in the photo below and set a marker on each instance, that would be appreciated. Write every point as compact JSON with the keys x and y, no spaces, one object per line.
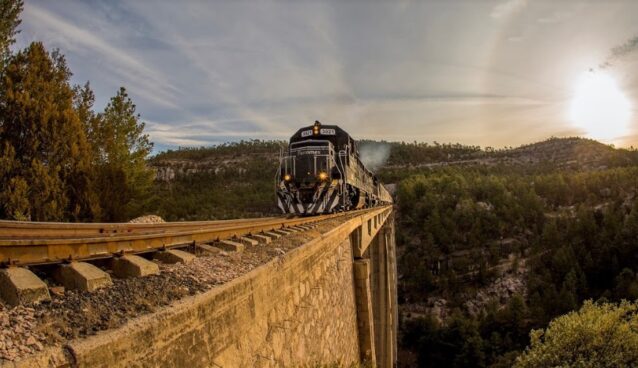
{"x":43,"y":144}
{"x":9,"y":21}
{"x":121,"y":152}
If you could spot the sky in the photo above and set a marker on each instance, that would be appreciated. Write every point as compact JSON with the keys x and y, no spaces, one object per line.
{"x":490,"y":73}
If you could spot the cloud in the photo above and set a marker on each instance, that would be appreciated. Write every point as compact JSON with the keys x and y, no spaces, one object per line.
{"x":202,"y":73}
{"x":619,"y":52}
{"x":508,"y":8}
{"x":555,"y":17}
{"x":149,"y":83}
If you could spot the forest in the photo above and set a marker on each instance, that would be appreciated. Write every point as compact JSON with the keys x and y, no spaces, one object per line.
{"x":231,"y":180}
{"x":576,"y":230}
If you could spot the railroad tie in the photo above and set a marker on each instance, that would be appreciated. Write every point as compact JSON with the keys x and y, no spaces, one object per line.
{"x":19,"y":285}
{"x":282,"y":232}
{"x":231,"y":246}
{"x":262,"y":238}
{"x":248,"y":241}
{"x":82,"y":276}
{"x":208,"y":248}
{"x":130,"y":265}
{"x":174,"y":256}
{"x":272,"y":235}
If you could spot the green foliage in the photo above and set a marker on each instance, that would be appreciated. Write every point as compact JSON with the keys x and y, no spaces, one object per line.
{"x":422,"y":152}
{"x":43,"y":141}
{"x":458,"y":344}
{"x":58,"y":159}
{"x":231,"y":180}
{"x":451,"y":211}
{"x":9,"y":20}
{"x":598,"y":335}
{"x":251,"y":148}
{"x":120,"y":152}
{"x":576,"y":229}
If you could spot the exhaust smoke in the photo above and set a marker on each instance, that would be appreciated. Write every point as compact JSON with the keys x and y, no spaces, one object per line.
{"x":374,"y":154}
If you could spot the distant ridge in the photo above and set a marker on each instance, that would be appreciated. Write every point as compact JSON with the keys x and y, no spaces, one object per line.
{"x":560,"y":153}
{"x":572,"y":153}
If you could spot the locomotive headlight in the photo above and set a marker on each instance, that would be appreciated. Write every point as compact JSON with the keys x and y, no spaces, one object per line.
{"x":287,"y":177}
{"x":323,"y":176}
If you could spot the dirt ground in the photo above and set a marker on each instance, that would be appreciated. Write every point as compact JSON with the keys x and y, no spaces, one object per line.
{"x":71,"y":314}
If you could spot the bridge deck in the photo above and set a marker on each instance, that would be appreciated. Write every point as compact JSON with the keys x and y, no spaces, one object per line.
{"x":44,"y":243}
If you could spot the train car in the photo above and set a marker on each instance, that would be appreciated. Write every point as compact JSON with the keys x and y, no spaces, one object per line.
{"x":321,"y":173}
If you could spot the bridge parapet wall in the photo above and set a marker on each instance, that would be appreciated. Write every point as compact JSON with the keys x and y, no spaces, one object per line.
{"x":303,"y":309}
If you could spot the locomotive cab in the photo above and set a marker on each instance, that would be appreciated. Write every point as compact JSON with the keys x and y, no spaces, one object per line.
{"x":321,"y":173}
{"x":308,"y":162}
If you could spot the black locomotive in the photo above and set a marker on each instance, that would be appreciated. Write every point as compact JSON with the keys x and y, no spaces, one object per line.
{"x":322,"y":173}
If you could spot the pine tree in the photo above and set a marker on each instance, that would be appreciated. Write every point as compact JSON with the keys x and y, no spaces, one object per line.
{"x":43,"y":143}
{"x":9,"y":21}
{"x":122,"y":149}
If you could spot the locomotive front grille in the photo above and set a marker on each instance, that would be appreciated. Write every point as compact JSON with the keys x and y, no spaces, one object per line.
{"x":306,"y":195}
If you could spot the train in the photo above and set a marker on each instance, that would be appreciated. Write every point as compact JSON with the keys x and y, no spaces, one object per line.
{"x":321,"y":172}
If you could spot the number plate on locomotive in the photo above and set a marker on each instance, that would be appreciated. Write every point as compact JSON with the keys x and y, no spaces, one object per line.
{"x":306,"y":133}
{"x":328,"y":132}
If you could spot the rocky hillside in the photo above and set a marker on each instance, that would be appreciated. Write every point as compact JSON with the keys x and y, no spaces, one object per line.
{"x":233,"y":180}
{"x":227,"y":159}
{"x":557,"y":153}
{"x":569,"y":153}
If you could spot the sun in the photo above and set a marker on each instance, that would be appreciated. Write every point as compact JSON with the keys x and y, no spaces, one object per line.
{"x":600,"y":108}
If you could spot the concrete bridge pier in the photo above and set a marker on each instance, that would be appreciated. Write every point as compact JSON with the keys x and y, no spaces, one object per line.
{"x":374,"y":267}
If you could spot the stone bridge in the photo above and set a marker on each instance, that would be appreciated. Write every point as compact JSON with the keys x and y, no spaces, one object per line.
{"x":330,"y":301}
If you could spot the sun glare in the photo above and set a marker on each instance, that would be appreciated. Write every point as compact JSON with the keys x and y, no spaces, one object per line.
{"x":600,"y":108}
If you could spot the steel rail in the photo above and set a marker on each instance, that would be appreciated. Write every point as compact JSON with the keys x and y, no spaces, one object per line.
{"x":33,"y":251}
{"x":19,"y":229}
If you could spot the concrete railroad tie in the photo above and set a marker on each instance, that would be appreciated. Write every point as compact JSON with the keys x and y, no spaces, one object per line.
{"x":208,"y":248}
{"x":19,"y":285}
{"x":230,"y":245}
{"x":174,"y":256}
{"x":262,"y":238}
{"x":82,"y":276}
{"x":248,"y":241}
{"x":134,"y":266}
{"x":282,"y":232}
{"x":272,"y":234}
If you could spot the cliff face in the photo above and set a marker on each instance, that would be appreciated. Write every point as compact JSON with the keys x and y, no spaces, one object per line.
{"x":168,"y":169}
{"x":234,"y":180}
{"x":228,"y":160}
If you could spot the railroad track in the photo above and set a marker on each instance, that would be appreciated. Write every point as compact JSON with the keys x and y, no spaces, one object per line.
{"x":23,"y":229}
{"x":32,"y":243}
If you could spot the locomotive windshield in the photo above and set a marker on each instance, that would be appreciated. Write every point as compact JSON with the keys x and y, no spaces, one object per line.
{"x":305,"y":167}
{"x":308,"y":160}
